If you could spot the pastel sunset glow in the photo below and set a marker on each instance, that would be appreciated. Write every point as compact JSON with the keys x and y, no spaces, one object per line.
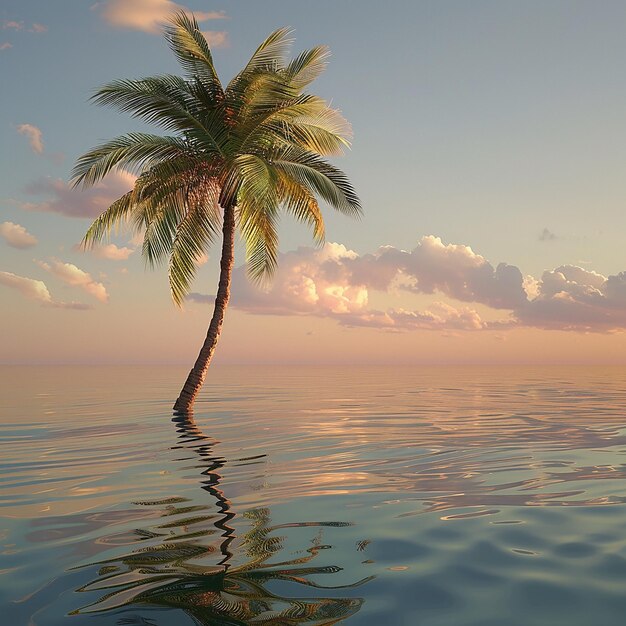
{"x":490,"y":170}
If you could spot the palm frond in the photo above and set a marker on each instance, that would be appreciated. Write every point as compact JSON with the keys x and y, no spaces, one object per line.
{"x":270,"y":55}
{"x":307,"y":66}
{"x":257,"y":203}
{"x":300,"y":203}
{"x":134,"y":151}
{"x":261,"y":82}
{"x":194,"y":234}
{"x":109,"y":219}
{"x":193,"y":52}
{"x":319,"y":177}
{"x":306,"y":122}
{"x":166,"y":101}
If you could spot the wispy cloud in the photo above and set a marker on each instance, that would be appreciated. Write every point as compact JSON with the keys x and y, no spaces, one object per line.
{"x":34,"y":136}
{"x":147,"y":15}
{"x":5,"y":45}
{"x":37,"y":290}
{"x":76,"y":202}
{"x":336,"y":282}
{"x":17,"y":236}
{"x":18,"y":26}
{"x":75,"y":277}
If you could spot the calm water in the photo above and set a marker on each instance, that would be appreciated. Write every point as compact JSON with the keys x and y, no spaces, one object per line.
{"x":456,"y":497}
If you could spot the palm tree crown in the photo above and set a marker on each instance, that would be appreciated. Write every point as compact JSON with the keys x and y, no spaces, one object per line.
{"x":237,"y":156}
{"x":256,"y":145}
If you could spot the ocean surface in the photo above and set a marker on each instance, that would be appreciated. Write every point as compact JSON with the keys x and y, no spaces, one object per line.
{"x":313,"y":495}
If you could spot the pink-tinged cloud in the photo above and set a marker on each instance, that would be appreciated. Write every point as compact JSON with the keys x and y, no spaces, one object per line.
{"x":78,"y":202}
{"x":216,"y":38}
{"x":109,"y":251}
{"x":17,"y":236}
{"x":148,"y":15}
{"x":5,"y":45}
{"x":12,"y":25}
{"x":38,"y":28}
{"x":34,"y":136}
{"x":336,"y":282}
{"x":438,"y":316}
{"x":454,"y":270}
{"x":75,"y":277}
{"x":321,"y":282}
{"x":572,"y":298}
{"x":28,"y":287}
{"x":36,"y":290}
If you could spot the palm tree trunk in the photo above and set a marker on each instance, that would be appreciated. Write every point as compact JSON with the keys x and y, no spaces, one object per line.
{"x":184,"y":403}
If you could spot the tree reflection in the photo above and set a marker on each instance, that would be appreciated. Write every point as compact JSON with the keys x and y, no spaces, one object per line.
{"x":193,"y":561}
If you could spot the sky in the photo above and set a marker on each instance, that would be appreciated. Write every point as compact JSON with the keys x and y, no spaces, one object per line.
{"x":489,"y":152}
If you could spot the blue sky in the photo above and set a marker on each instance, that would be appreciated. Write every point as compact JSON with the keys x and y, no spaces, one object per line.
{"x":498,"y":126}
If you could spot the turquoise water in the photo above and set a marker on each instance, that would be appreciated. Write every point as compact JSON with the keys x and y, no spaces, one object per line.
{"x":445,"y":496}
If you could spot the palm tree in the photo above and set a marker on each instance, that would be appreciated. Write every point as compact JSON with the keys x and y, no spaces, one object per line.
{"x":237,"y":156}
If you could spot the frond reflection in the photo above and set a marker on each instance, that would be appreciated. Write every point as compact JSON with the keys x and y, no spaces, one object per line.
{"x":192,"y":560}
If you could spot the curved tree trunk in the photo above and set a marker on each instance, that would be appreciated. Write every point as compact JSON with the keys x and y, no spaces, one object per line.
{"x":184,"y":403}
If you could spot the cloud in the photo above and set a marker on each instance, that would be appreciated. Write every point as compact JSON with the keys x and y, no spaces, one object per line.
{"x":5,"y":45}
{"x":547,"y":235}
{"x":453,"y":270}
{"x":108,"y":251}
{"x":36,"y":290}
{"x":200,"y":298}
{"x":34,"y":135}
{"x":77,"y":202}
{"x":20,"y":26}
{"x":337,"y":283}
{"x":12,"y":25}
{"x":17,"y":236}
{"x":309,"y":281}
{"x":216,"y":38}
{"x":438,"y":316}
{"x":75,"y":277}
{"x":147,"y":15}
{"x":572,"y":298}
{"x":28,"y":287}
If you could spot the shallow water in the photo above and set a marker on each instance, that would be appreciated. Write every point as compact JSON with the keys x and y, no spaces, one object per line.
{"x":443,"y":496}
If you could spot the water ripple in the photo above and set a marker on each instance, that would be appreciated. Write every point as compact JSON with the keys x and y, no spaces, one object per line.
{"x":402,"y":496}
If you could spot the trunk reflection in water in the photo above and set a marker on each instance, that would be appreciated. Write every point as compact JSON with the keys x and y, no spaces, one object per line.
{"x":168,"y":570}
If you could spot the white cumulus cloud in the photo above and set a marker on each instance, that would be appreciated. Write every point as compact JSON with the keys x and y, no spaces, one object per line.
{"x":37,"y":290}
{"x":111,"y":252}
{"x":17,"y":236}
{"x":28,"y":287}
{"x":75,"y":277}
